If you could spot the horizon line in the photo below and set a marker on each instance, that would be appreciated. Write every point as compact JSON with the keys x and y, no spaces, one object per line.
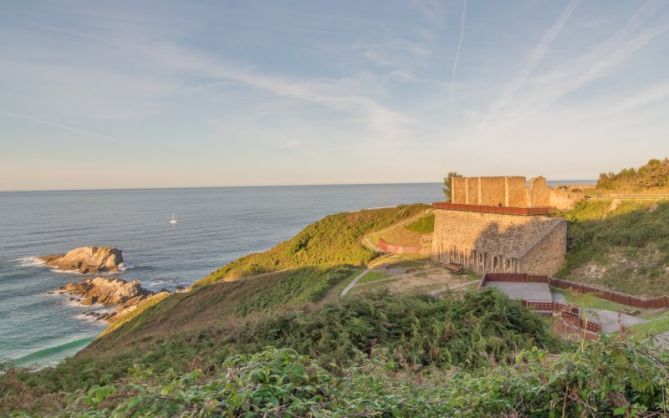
{"x":580,"y":181}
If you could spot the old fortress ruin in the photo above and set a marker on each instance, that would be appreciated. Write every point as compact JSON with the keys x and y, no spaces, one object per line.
{"x":501,"y":224}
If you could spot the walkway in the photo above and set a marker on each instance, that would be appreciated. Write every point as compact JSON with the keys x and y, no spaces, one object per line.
{"x":353,"y":283}
{"x":454,"y":287}
{"x":610,"y":320}
{"x":535,"y":292}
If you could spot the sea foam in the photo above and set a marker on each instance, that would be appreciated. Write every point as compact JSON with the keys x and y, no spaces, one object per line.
{"x":30,"y":261}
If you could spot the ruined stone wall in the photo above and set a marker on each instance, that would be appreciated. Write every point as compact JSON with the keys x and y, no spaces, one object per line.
{"x":492,"y":191}
{"x":517,"y":192}
{"x":539,"y":193}
{"x":484,"y":242}
{"x":565,"y":199}
{"x":458,"y":192}
{"x":548,"y":255}
{"x":504,"y":191}
{"x":472,"y":191}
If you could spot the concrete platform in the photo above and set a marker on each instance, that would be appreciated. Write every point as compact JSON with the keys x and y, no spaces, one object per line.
{"x":536,"y":292}
{"x":609,"y":319}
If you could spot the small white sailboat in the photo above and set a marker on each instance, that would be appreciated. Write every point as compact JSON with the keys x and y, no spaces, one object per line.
{"x":173,"y":221}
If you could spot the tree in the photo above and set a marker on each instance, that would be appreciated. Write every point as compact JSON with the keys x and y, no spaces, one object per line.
{"x":447,"y":184}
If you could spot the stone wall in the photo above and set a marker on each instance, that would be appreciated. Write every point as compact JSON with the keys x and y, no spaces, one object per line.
{"x":459,"y":189}
{"x":517,"y":192}
{"x":485,"y":242}
{"x":547,"y":256}
{"x":492,"y":191}
{"x":500,"y":191}
{"x":539,"y":192}
{"x":565,"y":198}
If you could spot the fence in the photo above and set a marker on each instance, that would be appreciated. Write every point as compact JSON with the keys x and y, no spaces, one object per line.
{"x":501,"y":210}
{"x":513,"y":278}
{"x":569,"y":314}
{"x":617,"y":297}
{"x":398,"y":249}
{"x":577,"y":321}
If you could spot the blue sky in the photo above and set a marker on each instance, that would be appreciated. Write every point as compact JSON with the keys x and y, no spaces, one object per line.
{"x":155,"y":94}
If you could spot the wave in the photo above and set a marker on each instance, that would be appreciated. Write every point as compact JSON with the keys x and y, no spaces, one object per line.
{"x":34,"y":261}
{"x":51,"y":355}
{"x":92,"y":318}
{"x":30,"y":261}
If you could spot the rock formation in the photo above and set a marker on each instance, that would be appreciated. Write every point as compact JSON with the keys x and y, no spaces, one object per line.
{"x":87,"y":260}
{"x":122,"y":295}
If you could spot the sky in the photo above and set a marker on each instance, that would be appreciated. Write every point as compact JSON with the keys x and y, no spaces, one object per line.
{"x":132,"y":94}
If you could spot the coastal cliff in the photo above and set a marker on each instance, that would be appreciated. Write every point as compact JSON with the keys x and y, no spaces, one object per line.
{"x":87,"y":260}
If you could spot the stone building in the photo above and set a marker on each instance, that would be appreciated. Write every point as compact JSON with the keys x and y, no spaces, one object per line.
{"x":499,"y":224}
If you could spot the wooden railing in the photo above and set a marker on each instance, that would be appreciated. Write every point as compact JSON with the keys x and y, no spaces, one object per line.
{"x":617,"y":297}
{"x":568,"y":313}
{"x":501,"y":210}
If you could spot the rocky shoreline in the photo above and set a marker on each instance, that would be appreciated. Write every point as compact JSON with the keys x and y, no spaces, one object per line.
{"x":120,"y":295}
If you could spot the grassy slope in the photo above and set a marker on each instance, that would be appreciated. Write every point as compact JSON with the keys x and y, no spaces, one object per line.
{"x":622,"y":246}
{"x":424,"y":225}
{"x":332,"y":241}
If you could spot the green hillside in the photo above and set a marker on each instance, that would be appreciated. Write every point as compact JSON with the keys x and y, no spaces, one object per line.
{"x":334,"y":240}
{"x":622,"y":245}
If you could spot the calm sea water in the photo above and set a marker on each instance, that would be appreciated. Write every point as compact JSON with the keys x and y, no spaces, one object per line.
{"x":216,"y":225}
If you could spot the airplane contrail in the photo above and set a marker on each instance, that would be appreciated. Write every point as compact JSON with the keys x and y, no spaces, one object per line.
{"x":57,"y":125}
{"x":454,"y":70}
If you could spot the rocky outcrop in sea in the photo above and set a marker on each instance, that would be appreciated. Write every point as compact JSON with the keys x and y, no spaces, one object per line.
{"x":87,"y":260}
{"x":121,"y":295}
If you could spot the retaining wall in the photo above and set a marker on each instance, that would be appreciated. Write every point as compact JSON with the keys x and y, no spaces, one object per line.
{"x":398,"y":249}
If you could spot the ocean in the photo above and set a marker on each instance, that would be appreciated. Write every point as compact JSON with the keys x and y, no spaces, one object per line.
{"x":215,"y":226}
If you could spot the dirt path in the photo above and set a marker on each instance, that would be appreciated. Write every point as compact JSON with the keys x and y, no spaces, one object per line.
{"x":455,"y":287}
{"x":353,"y":283}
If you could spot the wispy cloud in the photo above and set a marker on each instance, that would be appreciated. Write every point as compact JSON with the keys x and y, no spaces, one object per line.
{"x":530,"y":92}
{"x":456,"y":60}
{"x":533,"y":61}
{"x":58,"y":125}
{"x":337,"y":94}
{"x":291,"y":144}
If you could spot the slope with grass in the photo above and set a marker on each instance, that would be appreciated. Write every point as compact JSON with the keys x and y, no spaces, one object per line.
{"x":622,"y":245}
{"x":332,"y":241}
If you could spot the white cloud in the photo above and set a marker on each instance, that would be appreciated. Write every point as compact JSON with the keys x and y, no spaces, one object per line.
{"x":291,"y":144}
